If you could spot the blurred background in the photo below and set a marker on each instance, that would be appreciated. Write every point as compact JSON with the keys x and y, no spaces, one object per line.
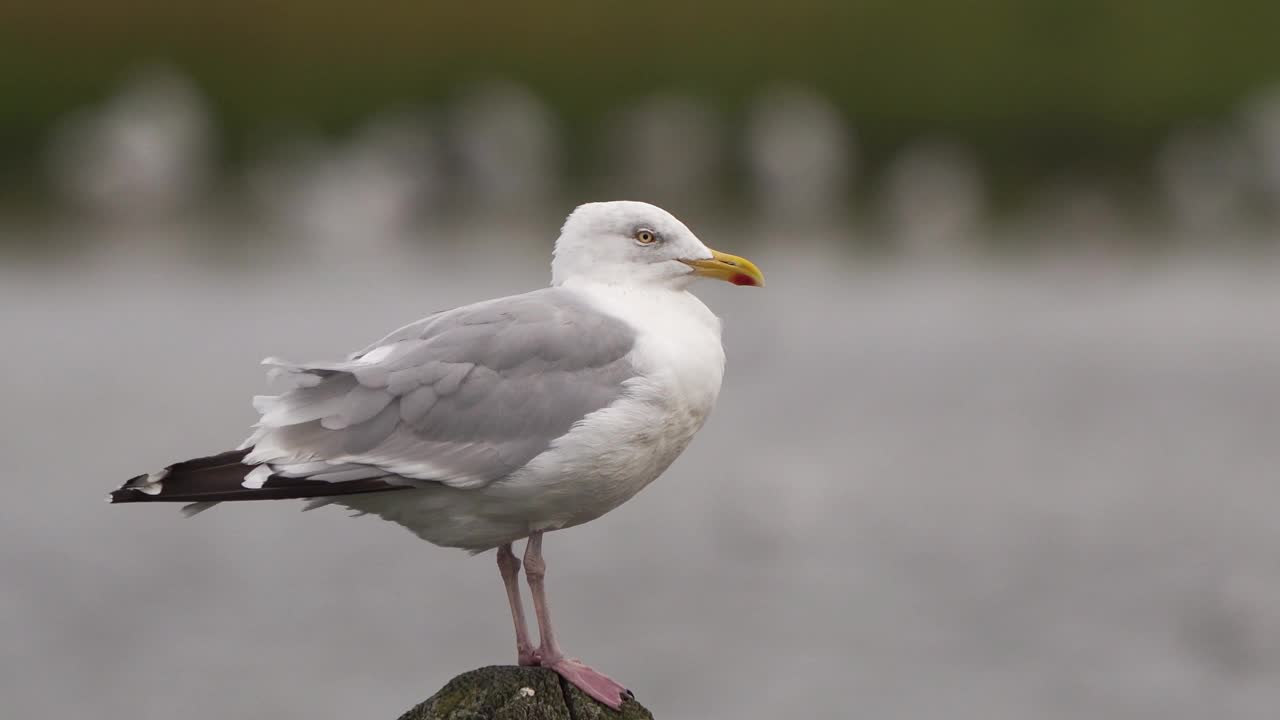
{"x":1011,"y":401}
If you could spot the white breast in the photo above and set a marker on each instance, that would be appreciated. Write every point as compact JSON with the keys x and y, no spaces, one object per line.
{"x":678,"y":340}
{"x":615,"y":452}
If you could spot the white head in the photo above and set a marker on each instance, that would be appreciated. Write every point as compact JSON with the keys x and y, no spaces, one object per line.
{"x":635,"y":243}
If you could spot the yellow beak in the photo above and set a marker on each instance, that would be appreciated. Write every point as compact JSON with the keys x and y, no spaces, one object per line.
{"x":730,"y":268}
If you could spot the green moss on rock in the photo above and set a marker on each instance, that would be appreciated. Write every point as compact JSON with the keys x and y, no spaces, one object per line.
{"x":506,"y":692}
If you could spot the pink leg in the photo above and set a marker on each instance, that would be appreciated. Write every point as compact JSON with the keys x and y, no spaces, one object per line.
{"x":601,"y":687}
{"x":509,"y":566}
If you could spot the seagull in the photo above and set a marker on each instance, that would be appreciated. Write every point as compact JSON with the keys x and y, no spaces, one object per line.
{"x":502,"y":420}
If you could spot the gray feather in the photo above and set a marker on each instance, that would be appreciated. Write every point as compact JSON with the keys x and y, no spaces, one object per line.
{"x":463,"y":397}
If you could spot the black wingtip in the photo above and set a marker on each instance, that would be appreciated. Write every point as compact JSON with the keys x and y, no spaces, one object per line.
{"x":129,"y":491}
{"x":220,"y":478}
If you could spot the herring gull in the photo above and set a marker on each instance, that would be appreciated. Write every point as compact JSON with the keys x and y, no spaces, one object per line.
{"x":501,"y":420}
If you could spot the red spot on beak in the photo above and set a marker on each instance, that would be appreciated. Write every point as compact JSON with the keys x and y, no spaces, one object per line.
{"x":740,"y":279}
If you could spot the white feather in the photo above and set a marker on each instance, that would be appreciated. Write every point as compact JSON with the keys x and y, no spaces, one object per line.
{"x":257,"y":477}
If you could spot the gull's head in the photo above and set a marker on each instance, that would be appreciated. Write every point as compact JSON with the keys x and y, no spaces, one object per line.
{"x":635,"y":243}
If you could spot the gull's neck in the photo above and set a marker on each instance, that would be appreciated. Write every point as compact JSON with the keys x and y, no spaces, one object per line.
{"x":648,"y":306}
{"x":626,"y":283}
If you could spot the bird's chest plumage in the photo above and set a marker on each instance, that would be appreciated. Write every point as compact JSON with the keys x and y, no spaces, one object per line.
{"x":689,"y":367}
{"x":616,"y":452}
{"x":678,"y":354}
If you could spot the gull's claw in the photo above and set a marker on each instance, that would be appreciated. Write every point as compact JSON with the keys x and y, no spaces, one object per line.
{"x":601,"y":687}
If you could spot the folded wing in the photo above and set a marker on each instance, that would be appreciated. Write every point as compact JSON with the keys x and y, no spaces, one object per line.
{"x":464,"y":398}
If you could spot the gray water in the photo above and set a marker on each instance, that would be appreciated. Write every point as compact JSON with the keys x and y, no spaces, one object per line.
{"x":1034,"y":490}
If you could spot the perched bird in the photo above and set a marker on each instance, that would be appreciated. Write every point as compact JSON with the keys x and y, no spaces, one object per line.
{"x":502,"y":420}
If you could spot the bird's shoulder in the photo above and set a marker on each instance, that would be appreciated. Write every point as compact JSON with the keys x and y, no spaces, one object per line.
{"x":551,"y":322}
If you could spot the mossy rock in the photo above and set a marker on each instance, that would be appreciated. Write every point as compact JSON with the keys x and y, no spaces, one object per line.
{"x":508,"y":692}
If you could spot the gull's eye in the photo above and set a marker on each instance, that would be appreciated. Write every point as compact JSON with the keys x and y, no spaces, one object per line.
{"x":645,"y":236}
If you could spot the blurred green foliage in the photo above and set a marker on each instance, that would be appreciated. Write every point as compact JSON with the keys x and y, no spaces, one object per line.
{"x":1038,"y":86}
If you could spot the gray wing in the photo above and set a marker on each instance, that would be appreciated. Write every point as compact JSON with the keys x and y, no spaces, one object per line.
{"x":463,"y":397}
